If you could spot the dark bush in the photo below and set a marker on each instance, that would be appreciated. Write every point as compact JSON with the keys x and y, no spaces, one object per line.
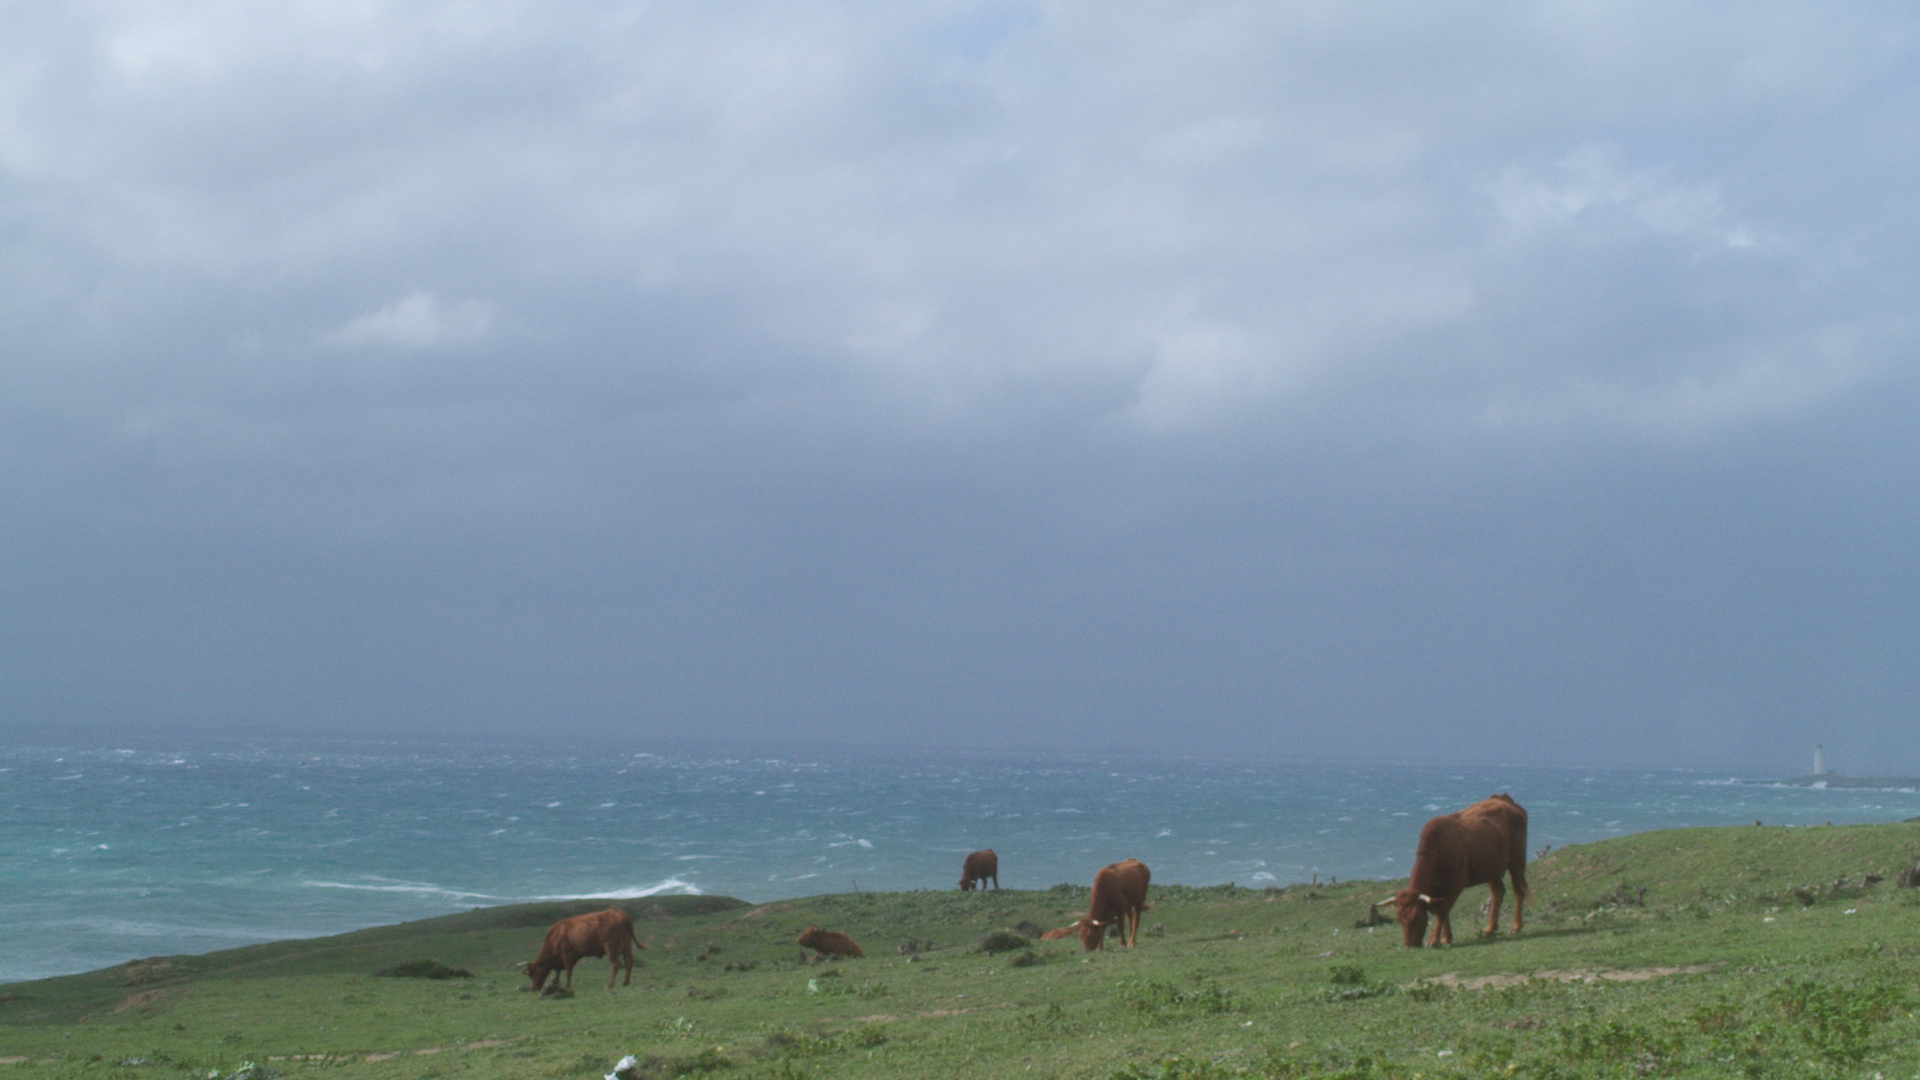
{"x":999,"y":941}
{"x":423,"y":969}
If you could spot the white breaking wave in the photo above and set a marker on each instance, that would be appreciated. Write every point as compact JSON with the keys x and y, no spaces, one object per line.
{"x":415,"y":887}
{"x":669,"y":887}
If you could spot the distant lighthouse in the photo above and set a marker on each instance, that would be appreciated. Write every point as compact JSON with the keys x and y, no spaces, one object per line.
{"x":1819,"y":760}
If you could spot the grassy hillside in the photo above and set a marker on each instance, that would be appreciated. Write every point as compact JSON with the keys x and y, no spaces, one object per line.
{"x":1701,"y":952}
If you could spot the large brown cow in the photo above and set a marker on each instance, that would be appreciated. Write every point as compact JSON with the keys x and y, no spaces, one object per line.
{"x":606,"y":933}
{"x":1475,"y":846}
{"x":1119,"y":896}
{"x":980,"y":866}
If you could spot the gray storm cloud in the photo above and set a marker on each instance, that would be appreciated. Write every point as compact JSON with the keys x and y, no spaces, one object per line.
{"x":1283,"y":376}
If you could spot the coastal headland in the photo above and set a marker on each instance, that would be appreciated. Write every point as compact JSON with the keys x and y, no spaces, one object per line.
{"x":1745,"y":951}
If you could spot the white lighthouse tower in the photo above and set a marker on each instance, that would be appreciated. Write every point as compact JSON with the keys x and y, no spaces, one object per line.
{"x":1819,"y":760}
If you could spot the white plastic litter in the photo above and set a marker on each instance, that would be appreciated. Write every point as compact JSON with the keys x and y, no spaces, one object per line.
{"x":623,"y":1069}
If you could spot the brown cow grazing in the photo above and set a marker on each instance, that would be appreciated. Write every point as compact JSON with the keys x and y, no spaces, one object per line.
{"x":606,"y":933}
{"x":827,"y":943}
{"x":980,"y":866}
{"x":1119,"y":896}
{"x":1457,"y":851}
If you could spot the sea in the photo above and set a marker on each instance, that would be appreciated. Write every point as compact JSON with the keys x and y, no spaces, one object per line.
{"x":108,"y":854}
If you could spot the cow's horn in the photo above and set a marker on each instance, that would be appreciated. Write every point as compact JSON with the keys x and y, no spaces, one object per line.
{"x":522,"y":965}
{"x":1425,"y":899}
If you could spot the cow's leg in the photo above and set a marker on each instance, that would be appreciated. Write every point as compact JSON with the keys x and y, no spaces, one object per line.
{"x":1442,"y":923}
{"x":996,"y":881}
{"x":1519,"y":896}
{"x":1498,"y":895}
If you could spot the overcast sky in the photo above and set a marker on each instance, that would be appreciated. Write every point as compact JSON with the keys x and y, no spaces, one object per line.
{"x":1526,"y":381}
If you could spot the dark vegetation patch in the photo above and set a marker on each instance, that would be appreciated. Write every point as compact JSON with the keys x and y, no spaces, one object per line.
{"x":999,"y":941}
{"x":423,"y":969}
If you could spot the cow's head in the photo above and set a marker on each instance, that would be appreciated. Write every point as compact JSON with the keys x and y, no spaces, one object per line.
{"x":537,"y":973}
{"x":1093,"y":933}
{"x":1410,"y":908}
{"x":966,"y":884}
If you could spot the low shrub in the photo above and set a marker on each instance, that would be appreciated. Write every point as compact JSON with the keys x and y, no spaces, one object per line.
{"x":1836,"y":1021}
{"x":999,"y":941}
{"x":1151,"y":997}
{"x":423,"y":969}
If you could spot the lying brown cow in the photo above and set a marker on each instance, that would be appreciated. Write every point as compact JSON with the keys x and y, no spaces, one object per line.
{"x":829,"y":943}
{"x":1119,"y":896}
{"x":1457,"y":851}
{"x":980,"y":866}
{"x":1064,"y":931}
{"x":606,"y":933}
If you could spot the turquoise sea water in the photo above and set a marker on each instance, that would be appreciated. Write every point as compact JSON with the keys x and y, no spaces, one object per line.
{"x":111,"y":854}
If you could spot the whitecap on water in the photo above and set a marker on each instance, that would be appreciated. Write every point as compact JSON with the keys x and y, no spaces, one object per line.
{"x":379,"y":885}
{"x":672,"y":886}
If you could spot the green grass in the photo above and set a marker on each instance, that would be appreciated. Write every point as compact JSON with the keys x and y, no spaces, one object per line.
{"x":1809,"y":971}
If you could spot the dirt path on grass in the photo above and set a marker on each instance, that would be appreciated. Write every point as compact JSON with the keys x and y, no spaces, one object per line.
{"x":1453,"y":980}
{"x":389,"y":1055}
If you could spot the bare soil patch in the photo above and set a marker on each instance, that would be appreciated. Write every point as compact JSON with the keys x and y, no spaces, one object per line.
{"x":1453,"y":980}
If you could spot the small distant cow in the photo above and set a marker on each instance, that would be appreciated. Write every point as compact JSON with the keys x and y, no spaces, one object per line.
{"x":827,"y":943}
{"x":1119,"y":896}
{"x":1475,"y":846}
{"x":606,"y":933}
{"x":1061,"y":932}
{"x":980,"y":866}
